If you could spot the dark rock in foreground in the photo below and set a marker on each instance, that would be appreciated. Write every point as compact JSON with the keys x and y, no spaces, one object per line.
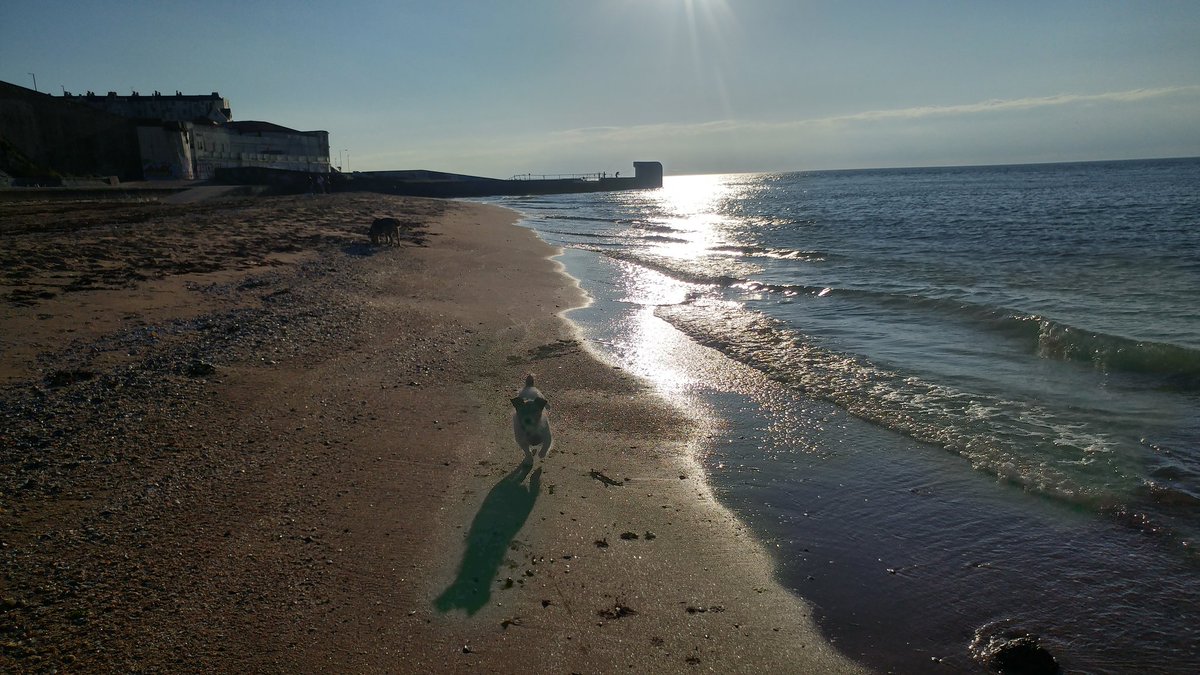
{"x":1020,"y":655}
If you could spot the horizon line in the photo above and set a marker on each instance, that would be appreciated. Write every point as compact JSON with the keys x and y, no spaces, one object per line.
{"x":901,"y":167}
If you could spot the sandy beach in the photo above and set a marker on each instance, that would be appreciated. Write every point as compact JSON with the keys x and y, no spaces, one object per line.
{"x":237,"y":438}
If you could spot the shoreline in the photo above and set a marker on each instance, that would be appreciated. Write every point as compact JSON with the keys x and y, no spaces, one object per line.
{"x":322,"y":480}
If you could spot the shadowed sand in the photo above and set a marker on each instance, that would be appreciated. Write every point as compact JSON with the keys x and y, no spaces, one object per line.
{"x":235,"y":438}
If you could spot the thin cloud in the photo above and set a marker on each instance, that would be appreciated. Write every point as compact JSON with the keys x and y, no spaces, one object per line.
{"x":646,"y":131}
{"x":897,"y":137}
{"x":994,"y":105}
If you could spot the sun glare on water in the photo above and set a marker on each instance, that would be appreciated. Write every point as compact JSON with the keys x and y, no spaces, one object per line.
{"x":691,"y":208}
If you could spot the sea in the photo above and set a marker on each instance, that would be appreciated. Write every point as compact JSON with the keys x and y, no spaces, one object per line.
{"x":958,"y":405}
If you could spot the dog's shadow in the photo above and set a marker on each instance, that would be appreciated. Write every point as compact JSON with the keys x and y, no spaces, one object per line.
{"x":500,"y":518}
{"x":360,"y":249}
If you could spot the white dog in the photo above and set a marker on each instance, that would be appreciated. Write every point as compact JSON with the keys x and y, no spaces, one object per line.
{"x":531,"y":422}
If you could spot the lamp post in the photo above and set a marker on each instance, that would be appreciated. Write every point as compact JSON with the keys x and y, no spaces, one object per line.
{"x":34,"y":81}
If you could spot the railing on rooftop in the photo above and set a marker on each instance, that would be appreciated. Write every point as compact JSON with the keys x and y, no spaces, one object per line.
{"x":561,"y":176}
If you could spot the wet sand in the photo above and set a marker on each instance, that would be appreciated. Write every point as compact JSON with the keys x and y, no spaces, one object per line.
{"x":235,"y":437}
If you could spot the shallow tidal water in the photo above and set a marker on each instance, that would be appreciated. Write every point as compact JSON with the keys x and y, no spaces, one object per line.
{"x":955,"y":404}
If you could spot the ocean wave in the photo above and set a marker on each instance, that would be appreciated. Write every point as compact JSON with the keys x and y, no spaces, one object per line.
{"x":788,"y":290}
{"x":1018,"y":442}
{"x":1176,"y":496}
{"x":794,"y":254}
{"x":649,"y":227}
{"x":1176,"y":367}
{"x":762,"y":223}
{"x":586,"y":219}
{"x":600,"y":247}
{"x":778,"y":253}
{"x":1179,"y":367}
{"x":723,"y":273}
{"x":579,"y":235}
{"x":993,"y":434}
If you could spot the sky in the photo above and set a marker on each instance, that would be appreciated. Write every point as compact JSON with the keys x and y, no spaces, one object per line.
{"x":502,"y":87}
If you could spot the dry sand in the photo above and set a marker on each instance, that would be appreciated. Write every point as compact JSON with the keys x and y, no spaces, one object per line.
{"x":235,"y":438}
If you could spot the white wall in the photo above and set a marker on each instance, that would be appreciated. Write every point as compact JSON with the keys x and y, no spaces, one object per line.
{"x":215,"y":147}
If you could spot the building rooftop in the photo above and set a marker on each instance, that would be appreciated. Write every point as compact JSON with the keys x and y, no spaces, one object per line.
{"x":178,"y":96}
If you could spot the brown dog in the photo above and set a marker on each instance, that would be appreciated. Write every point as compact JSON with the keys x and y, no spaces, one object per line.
{"x":385,"y":229}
